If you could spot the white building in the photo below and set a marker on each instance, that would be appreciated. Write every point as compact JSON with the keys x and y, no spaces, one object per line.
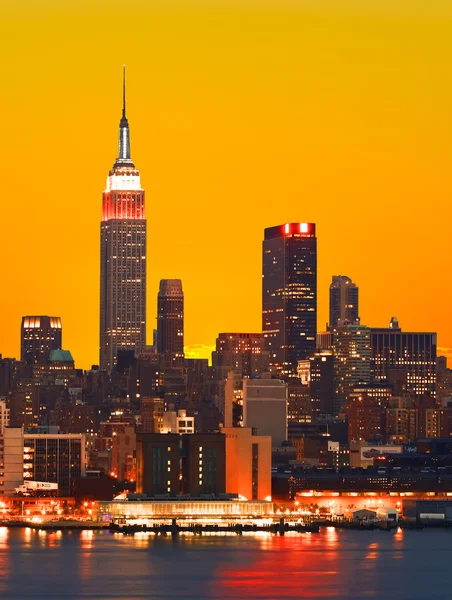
{"x":11,"y":460}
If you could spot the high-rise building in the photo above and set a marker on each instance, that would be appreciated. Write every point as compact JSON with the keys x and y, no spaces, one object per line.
{"x":242,"y":353}
{"x":4,"y":415}
{"x":38,"y":336}
{"x":351,"y":344}
{"x":413,"y":353}
{"x":289,"y":294}
{"x":322,"y":382}
{"x":123,"y":256}
{"x":343,"y":300}
{"x":170,"y":318}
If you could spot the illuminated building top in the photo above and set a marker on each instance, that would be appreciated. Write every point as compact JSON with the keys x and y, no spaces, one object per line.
{"x":120,"y":201}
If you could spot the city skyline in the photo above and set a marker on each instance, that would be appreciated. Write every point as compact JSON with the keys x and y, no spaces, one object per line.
{"x":273,"y":176}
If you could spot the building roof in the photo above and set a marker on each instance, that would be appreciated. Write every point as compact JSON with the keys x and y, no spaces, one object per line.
{"x":60,"y":356}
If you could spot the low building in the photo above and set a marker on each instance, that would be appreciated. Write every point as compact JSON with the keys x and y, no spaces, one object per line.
{"x":136,"y":510}
{"x":248,"y":463}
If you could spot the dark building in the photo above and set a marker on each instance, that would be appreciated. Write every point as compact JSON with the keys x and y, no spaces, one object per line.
{"x":343,"y":300}
{"x":289,"y":294}
{"x":322,"y":389}
{"x":123,"y":256}
{"x":56,"y":458}
{"x":243,"y":352}
{"x":413,"y":353}
{"x":203,"y":464}
{"x":38,"y":336}
{"x":366,"y":411}
{"x":167,"y":460}
{"x":170,"y":318}
{"x":158,"y":464}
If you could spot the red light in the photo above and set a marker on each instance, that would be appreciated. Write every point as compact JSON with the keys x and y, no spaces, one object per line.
{"x":304,"y":228}
{"x":287,"y":228}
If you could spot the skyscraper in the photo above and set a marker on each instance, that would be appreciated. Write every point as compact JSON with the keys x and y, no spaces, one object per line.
{"x":170,"y":318}
{"x":412,"y":354}
{"x":343,"y":300}
{"x":289,"y":294}
{"x":123,"y":255}
{"x":38,"y":336}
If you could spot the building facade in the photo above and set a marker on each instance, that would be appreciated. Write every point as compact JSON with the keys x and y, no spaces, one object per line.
{"x":38,"y":336}
{"x":55,"y":458}
{"x":343,"y":300}
{"x":289,"y":294}
{"x":413,"y":353}
{"x":123,"y":256}
{"x":170,"y":318}
{"x":351,"y":345}
{"x":265,"y":408}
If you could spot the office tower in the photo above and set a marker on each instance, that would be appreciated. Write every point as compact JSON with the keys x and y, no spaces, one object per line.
{"x":38,"y":336}
{"x":243,"y":352}
{"x":343,"y":300}
{"x":322,"y":382}
{"x":265,"y":407}
{"x":413,"y":353}
{"x":289,"y":294}
{"x":123,"y":256}
{"x":170,"y":318}
{"x":351,"y":344}
{"x":25,"y":404}
{"x":56,"y":458}
{"x":366,"y":411}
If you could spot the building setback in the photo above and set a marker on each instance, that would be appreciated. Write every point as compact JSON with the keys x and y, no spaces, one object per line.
{"x":289,"y":294}
{"x":123,"y":256}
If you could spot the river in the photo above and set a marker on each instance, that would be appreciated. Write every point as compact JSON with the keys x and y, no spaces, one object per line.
{"x":348,"y":565}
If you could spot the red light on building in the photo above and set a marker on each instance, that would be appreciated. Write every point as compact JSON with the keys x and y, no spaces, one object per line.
{"x":287,"y":228}
{"x":304,"y":228}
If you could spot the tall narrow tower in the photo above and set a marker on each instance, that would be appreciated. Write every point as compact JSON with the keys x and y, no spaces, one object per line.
{"x":170,"y":318}
{"x":289,"y":294}
{"x":122,"y":255}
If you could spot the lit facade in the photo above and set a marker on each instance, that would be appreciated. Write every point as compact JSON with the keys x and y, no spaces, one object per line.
{"x":351,"y":344}
{"x":123,"y":256}
{"x":38,"y":336}
{"x":137,"y":511}
{"x":289,"y":294}
{"x":413,"y":352}
{"x":248,"y":463}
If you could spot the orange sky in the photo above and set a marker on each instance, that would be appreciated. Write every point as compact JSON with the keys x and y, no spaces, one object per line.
{"x":243,"y":114}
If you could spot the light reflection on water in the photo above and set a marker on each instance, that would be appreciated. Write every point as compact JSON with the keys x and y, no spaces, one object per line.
{"x":335,"y":564}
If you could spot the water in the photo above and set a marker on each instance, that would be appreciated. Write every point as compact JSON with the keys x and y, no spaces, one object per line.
{"x":348,"y":565}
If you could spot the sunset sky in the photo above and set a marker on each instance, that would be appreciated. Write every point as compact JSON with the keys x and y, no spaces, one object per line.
{"x":243,"y":114}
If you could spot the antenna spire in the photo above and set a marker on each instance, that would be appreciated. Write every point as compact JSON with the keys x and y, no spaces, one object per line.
{"x":124,"y":92}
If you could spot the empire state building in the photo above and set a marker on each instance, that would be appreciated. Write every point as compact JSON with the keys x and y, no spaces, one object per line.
{"x":122,"y":255}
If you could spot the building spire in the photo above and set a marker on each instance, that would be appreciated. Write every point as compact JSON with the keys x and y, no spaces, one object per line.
{"x":124,"y":133}
{"x":124,"y":93}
